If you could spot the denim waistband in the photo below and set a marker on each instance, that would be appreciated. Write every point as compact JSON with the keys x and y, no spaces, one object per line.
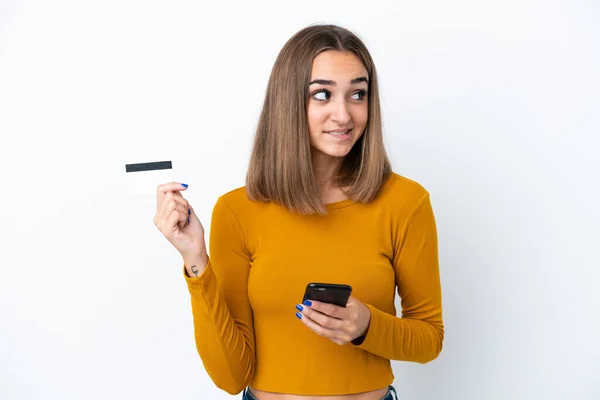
{"x":247,"y":395}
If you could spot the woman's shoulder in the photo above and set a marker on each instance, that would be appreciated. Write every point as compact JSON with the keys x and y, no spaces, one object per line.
{"x":238,"y":201}
{"x":407,"y":186}
{"x":402,"y":192}
{"x":398,"y":191}
{"x":236,"y":195}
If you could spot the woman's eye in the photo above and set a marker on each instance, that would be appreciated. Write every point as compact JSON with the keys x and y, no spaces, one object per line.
{"x":361,"y":95}
{"x":322,"y":95}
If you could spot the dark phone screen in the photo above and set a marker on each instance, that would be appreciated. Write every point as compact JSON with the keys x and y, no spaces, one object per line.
{"x":328,"y":293}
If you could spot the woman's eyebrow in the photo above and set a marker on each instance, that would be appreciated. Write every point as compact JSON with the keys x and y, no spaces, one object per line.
{"x":332,"y":83}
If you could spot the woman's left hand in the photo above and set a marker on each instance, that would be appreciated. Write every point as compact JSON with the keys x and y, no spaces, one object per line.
{"x":339,"y":324}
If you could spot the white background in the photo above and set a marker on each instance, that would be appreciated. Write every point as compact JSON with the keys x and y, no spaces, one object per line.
{"x":493,"y":106}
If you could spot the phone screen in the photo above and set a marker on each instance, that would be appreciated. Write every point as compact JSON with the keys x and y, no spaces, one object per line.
{"x":331,"y":293}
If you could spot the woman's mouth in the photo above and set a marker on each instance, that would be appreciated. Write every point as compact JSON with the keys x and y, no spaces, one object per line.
{"x":341,"y":134}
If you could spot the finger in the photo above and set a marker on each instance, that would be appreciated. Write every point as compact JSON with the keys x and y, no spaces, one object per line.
{"x":173,"y":205}
{"x":165,"y":188}
{"x":172,"y":201}
{"x":177,"y":218}
{"x":167,"y":198}
{"x":337,"y":336}
{"x":163,"y":218}
{"x":321,"y":319}
{"x":328,"y":309}
{"x":184,"y":216}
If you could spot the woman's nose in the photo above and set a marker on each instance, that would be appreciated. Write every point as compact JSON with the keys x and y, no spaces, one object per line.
{"x":341,"y":113}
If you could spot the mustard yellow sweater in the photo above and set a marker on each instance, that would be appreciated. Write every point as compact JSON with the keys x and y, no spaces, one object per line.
{"x":263,"y":256}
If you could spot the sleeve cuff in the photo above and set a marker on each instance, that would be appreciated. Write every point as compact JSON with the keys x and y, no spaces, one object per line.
{"x":206,"y":276}
{"x":370,"y":339}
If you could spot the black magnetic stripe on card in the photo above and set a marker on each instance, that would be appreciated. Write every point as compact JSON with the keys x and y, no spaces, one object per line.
{"x":150,"y":166}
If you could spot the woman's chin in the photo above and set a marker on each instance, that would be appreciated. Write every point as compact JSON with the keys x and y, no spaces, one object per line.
{"x":334,"y":152}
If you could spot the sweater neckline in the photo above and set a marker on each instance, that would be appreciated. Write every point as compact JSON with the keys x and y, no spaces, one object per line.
{"x":340,"y":204}
{"x":348,"y":202}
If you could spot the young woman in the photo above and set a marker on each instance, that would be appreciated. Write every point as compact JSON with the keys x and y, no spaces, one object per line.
{"x":320,"y":204}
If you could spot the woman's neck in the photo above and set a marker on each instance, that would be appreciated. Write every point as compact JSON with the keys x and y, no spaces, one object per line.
{"x":324,"y":168}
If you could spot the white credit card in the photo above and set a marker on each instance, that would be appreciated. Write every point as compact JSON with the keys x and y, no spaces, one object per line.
{"x":144,"y":178}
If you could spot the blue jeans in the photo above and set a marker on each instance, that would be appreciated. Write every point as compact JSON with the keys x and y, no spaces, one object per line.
{"x":388,"y":396}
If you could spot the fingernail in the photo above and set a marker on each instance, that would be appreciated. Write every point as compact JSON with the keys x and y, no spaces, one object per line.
{"x":189,"y":212}
{"x":299,"y":315}
{"x":188,"y":220}
{"x":299,"y":307}
{"x":184,"y":185}
{"x":307,"y":303}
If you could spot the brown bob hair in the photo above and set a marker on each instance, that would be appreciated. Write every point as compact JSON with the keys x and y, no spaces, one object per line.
{"x":281,"y":168}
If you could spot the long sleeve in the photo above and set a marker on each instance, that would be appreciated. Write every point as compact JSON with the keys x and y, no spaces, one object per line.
{"x":419,"y":334}
{"x":223,"y":320}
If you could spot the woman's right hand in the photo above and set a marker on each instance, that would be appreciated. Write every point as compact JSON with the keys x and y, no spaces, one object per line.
{"x":176,"y":220}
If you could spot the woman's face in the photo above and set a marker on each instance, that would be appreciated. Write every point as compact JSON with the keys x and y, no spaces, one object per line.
{"x":338,"y":105}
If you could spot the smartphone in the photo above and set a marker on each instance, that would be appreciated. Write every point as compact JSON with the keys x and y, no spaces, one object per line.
{"x":332,"y":293}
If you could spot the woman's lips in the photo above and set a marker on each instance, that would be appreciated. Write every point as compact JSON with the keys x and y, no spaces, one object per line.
{"x":337,"y":134}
